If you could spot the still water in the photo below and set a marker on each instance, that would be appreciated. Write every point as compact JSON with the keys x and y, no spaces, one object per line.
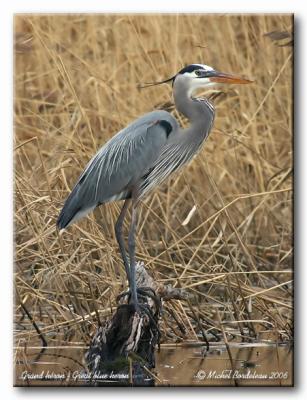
{"x":251,"y":366}
{"x":188,"y":365}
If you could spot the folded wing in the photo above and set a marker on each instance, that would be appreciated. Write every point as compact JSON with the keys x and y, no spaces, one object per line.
{"x":118,"y":165}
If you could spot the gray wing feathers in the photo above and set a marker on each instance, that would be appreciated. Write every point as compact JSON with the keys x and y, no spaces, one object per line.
{"x":119,"y":164}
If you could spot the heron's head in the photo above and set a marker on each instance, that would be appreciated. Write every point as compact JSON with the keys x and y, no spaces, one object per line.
{"x":197,"y":76}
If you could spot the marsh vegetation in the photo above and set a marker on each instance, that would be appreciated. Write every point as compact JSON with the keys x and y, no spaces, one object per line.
{"x":76,"y":85}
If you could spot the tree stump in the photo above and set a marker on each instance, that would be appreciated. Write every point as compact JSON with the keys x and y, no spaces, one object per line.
{"x":122,"y":352}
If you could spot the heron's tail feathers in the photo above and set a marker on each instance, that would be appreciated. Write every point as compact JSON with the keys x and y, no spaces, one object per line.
{"x":82,"y":201}
{"x":73,"y":210}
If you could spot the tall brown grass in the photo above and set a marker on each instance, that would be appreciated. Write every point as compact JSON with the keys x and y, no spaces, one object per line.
{"x":76,"y":85}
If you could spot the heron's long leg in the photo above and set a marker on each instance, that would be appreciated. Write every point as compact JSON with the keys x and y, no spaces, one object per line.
{"x":120,"y":239}
{"x":131,"y":248}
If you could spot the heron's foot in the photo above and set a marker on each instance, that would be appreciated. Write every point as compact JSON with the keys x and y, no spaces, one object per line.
{"x":123,"y":294}
{"x":132,"y":299}
{"x":146,"y":291}
{"x":142,"y":294}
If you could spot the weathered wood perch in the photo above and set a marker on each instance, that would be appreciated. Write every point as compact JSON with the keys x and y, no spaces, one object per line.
{"x":122,"y":352}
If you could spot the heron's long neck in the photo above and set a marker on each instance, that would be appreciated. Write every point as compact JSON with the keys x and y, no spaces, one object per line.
{"x":199,"y":112}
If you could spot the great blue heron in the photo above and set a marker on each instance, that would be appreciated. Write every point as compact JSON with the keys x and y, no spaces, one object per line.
{"x":142,"y":155}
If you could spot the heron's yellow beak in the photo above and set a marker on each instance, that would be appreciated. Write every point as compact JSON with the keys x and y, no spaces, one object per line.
{"x":221,"y":77}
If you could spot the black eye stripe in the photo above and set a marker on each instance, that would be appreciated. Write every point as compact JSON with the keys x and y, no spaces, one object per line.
{"x":190,"y":68}
{"x":200,"y":72}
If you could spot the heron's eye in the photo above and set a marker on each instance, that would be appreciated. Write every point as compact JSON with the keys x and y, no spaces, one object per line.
{"x":197,"y":72}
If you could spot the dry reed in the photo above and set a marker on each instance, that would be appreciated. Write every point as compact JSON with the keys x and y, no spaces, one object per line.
{"x":76,"y":79}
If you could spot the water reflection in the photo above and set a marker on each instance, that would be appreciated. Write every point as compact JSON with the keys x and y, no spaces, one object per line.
{"x":252,"y":366}
{"x":260,"y":365}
